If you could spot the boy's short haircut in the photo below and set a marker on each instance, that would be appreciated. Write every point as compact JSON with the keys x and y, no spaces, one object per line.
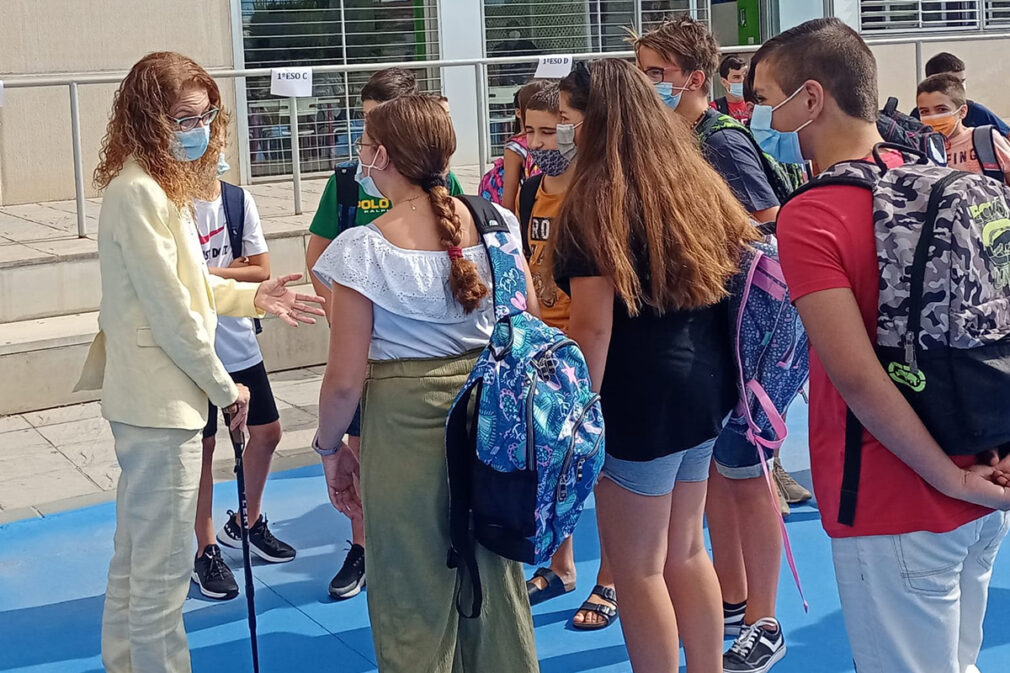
{"x":947,"y":84}
{"x":547,"y":99}
{"x":685,"y":41}
{"x":829,"y":52}
{"x":529,"y":90}
{"x":388,"y":84}
{"x":944,"y":62}
{"x":729,"y":64}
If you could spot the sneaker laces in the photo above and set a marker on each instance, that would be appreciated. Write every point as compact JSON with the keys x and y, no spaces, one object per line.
{"x":216,"y":567}
{"x":353,"y":558}
{"x":749,"y":635}
{"x":264,"y":531}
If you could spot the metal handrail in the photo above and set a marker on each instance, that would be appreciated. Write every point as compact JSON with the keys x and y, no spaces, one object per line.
{"x":479,"y":66}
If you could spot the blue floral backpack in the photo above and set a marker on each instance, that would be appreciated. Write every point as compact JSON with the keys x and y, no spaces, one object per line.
{"x":524,"y":437}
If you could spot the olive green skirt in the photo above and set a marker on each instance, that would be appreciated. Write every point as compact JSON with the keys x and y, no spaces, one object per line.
{"x":405,"y":495}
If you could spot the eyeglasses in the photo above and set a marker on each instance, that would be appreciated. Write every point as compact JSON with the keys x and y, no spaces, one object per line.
{"x":190,"y":123}
{"x":657,"y":75}
{"x":359,"y":143}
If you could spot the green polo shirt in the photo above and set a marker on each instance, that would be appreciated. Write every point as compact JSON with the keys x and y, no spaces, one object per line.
{"x":326,"y":223}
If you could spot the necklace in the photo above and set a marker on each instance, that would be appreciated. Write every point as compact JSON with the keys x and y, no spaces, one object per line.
{"x":698,"y":120}
{"x":412,"y":199}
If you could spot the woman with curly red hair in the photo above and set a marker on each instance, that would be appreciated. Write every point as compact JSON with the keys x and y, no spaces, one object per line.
{"x":154,"y":356}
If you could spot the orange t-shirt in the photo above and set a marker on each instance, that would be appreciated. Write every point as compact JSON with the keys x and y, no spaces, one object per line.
{"x":961,"y":152}
{"x":554,"y":304}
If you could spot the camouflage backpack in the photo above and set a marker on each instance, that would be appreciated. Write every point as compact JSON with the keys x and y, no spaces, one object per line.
{"x":783,"y":178}
{"x":943,"y":314}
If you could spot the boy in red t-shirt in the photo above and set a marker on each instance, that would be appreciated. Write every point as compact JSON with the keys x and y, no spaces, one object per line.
{"x":913,"y":570}
{"x":732,"y":73}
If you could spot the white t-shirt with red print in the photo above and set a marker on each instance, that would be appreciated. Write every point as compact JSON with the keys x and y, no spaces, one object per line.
{"x":235,"y":343}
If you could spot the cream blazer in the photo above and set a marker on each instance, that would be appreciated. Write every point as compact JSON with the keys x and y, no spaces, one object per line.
{"x":154,"y":355}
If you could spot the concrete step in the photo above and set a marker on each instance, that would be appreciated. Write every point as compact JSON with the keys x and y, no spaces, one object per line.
{"x":40,"y":359}
{"x":60,"y":276}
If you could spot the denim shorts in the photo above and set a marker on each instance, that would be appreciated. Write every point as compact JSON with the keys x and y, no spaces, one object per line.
{"x":736,"y":458}
{"x":659,"y":476}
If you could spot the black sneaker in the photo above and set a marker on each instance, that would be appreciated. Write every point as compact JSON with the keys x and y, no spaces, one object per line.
{"x":261,"y":541}
{"x":756,"y":649}
{"x":349,"y":582}
{"x":213,"y":575}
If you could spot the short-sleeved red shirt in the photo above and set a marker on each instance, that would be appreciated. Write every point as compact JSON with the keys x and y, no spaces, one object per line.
{"x":826,"y":242}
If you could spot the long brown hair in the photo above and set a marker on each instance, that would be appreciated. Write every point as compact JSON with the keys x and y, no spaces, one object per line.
{"x":140,"y":126}
{"x":646,"y":182}
{"x":419,"y":139}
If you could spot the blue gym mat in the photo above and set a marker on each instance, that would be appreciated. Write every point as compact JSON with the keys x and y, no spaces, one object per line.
{"x":52,"y":577}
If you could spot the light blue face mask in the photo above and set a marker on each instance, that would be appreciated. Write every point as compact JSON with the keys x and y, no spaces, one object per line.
{"x":222,"y":165}
{"x":366,"y":181}
{"x":566,"y":139}
{"x":665,"y":91}
{"x":736,"y":89}
{"x":783,"y":145}
{"x":191,"y":145}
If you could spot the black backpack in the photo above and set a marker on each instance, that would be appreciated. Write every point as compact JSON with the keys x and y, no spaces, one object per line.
{"x":722,"y":105}
{"x":898,"y":128}
{"x":347,"y":194}
{"x":233,"y":200}
{"x":527,"y":198}
{"x":985,"y":152}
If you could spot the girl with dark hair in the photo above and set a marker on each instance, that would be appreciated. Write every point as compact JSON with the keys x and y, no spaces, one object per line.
{"x":412,"y":293}
{"x":646,"y":248}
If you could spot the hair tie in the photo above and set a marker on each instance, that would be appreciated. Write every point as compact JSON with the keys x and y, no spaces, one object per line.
{"x":429,"y":184}
{"x":455,"y":252}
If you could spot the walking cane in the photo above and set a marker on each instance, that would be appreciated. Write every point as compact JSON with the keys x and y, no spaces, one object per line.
{"x":238,"y":443}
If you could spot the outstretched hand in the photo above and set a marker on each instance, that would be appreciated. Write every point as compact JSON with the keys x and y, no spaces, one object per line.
{"x":274,"y":297}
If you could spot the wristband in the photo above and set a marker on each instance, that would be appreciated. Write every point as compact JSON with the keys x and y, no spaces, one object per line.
{"x":321,"y":451}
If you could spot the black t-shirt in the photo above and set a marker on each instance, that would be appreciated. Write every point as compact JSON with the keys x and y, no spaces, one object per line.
{"x":668,"y":383}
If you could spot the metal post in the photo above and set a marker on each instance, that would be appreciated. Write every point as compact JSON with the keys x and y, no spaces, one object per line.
{"x":348,"y":111}
{"x":483,"y":116}
{"x":296,"y":159}
{"x":75,"y":132}
{"x":638,"y":17}
{"x":918,"y":61}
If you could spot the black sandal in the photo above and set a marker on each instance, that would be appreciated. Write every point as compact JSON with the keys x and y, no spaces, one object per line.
{"x":608,"y":613}
{"x":555,"y":587}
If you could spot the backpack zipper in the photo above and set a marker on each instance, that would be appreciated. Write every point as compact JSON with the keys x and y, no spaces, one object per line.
{"x":562,"y":490}
{"x":531,"y":445}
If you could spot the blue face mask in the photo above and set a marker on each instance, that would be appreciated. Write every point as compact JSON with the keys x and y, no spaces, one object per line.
{"x":366,"y":181}
{"x":191,"y":145}
{"x":665,"y":91}
{"x":736,"y":89}
{"x":783,"y":145}
{"x":222,"y":165}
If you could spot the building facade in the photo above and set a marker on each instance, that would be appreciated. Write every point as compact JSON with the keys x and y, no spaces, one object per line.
{"x":73,"y":37}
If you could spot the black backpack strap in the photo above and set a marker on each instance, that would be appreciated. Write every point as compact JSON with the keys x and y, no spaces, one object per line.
{"x":347,"y":195}
{"x":985,"y":151}
{"x":722,"y":105}
{"x":233,"y":200}
{"x":851,"y":469}
{"x":891,"y":106}
{"x":460,"y":452}
{"x":527,"y":199}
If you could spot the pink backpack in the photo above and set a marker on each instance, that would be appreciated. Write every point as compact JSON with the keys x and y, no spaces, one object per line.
{"x":493,"y":183}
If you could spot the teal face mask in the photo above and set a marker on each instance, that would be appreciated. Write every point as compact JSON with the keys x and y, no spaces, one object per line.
{"x":783,"y":145}
{"x":736,"y":89}
{"x":191,"y":145}
{"x":666,"y":93}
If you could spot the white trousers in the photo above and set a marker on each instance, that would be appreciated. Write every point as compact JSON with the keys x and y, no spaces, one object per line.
{"x":142,"y":630}
{"x":914,"y":603}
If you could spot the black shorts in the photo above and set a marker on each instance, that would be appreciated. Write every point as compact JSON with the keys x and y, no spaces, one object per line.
{"x":262,"y":408}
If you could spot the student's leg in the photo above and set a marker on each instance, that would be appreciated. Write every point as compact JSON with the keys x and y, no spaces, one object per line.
{"x":901,"y":598}
{"x":604,"y":578}
{"x":724,"y":531}
{"x":205,"y":498}
{"x":636,"y":527}
{"x":259,"y":451}
{"x":975,"y":585}
{"x":761,"y":544}
{"x":690,"y":576}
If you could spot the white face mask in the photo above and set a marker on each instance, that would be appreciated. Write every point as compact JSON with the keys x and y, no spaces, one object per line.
{"x":365,"y":180}
{"x":566,"y":139}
